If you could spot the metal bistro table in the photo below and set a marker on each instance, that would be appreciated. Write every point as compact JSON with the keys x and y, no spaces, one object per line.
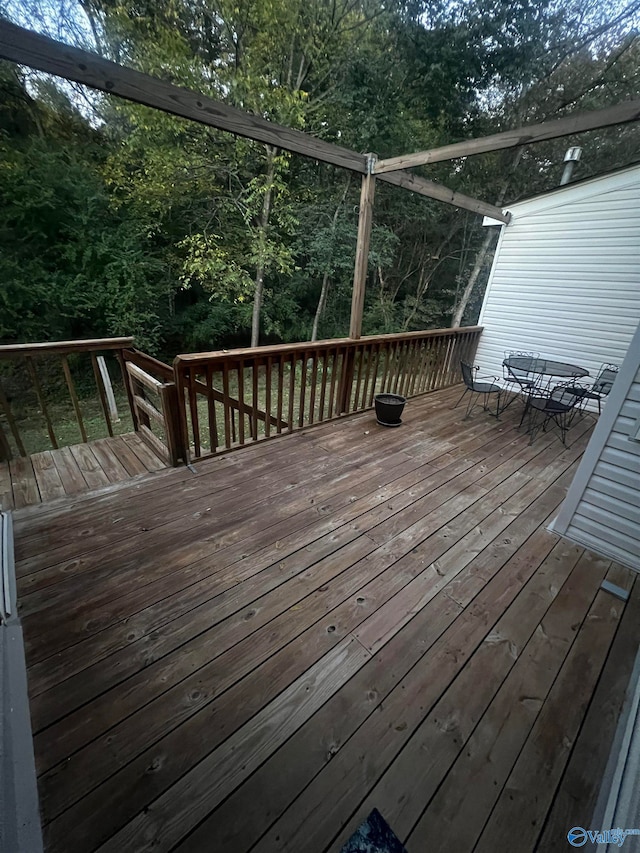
{"x":545,"y":367}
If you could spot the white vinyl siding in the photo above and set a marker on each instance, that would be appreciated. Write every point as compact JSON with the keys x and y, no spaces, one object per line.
{"x":602,"y":508}
{"x":565,"y":280}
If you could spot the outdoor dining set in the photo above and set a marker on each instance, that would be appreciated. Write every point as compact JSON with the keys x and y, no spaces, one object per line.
{"x":552,"y":392}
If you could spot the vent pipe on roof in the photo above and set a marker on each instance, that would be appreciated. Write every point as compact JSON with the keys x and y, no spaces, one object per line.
{"x":571,"y":157}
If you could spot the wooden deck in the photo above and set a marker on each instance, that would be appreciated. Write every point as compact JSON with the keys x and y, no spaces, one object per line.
{"x":254,"y":656}
{"x":52,"y":474}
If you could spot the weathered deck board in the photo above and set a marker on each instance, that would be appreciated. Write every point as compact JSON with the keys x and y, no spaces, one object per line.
{"x":43,"y":478}
{"x":255,"y":655}
{"x":578,"y":792}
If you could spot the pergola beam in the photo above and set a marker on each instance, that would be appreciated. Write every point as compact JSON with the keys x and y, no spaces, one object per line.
{"x":623,"y":113}
{"x":416,"y":184}
{"x":28,"y":48}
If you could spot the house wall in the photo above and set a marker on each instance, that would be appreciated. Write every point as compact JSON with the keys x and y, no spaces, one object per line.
{"x":602,"y":507}
{"x":565,"y":280}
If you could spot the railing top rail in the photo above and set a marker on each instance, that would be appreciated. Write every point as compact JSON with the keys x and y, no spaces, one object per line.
{"x":64,"y":347}
{"x":191,"y":359}
{"x":149,"y":364}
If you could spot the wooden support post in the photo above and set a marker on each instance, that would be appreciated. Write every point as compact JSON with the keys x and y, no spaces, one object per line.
{"x":174,"y":435}
{"x":362,"y":252}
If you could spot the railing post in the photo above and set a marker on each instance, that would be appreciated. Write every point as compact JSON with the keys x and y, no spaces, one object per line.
{"x":176,"y":441}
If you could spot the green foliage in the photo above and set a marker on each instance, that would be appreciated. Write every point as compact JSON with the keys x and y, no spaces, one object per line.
{"x":118,"y":219}
{"x":69,"y":264}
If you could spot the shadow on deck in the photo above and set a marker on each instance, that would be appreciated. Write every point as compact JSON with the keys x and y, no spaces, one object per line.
{"x":254,"y":656}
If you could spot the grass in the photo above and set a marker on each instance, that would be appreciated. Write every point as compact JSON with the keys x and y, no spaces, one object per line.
{"x":33,"y":429}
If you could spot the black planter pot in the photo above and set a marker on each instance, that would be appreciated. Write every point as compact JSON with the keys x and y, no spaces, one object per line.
{"x":389,"y":409}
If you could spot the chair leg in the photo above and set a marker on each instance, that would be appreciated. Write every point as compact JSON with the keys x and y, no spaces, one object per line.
{"x":527,"y":406}
{"x":461,"y":398}
{"x":504,"y":394}
{"x":470,"y":406}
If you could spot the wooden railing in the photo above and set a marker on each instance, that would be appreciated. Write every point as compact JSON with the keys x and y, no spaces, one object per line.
{"x":32,"y":357}
{"x":149,"y":386}
{"x":154,"y":403}
{"x":209,"y":403}
{"x":230,"y":398}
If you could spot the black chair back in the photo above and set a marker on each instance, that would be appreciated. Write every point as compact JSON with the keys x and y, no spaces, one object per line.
{"x":604,"y":380}
{"x":467,"y":374}
{"x":568,"y":395}
{"x":522,"y":371}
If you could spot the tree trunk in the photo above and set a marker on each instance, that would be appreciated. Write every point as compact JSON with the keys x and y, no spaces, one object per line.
{"x":325,"y":278}
{"x":482,"y":252}
{"x":475,"y":272}
{"x":321,"y":303}
{"x":264,"y":223}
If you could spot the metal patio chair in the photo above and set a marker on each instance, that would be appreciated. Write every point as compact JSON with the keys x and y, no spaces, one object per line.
{"x":518,"y":381}
{"x":602,"y":385}
{"x":475,"y":385}
{"x":559,"y":406}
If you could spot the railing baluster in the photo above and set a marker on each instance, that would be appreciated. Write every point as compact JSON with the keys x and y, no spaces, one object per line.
{"x":368,"y":350}
{"x":387,"y":363}
{"x":418,"y":366}
{"x":42,"y":402}
{"x":241,"y":401}
{"x":101,"y":394}
{"x":408,"y":368}
{"x":399,"y":364}
{"x":15,"y":432}
{"x":211,"y":410}
{"x":323,"y":384}
{"x":303,"y":389}
{"x":446,"y":357}
{"x":227,"y":405}
{"x":359,"y":355}
{"x":193,"y":409}
{"x":267,"y":398}
{"x":280,"y":392}
{"x":434,"y":362}
{"x":254,"y":397}
{"x":451,"y":361}
{"x":292,"y":387}
{"x":74,"y":397}
{"x":314,"y":379}
{"x":372,"y":393}
{"x":5,"y":447}
{"x":346,"y":383}
{"x":408,"y":371}
{"x":334,"y":375}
